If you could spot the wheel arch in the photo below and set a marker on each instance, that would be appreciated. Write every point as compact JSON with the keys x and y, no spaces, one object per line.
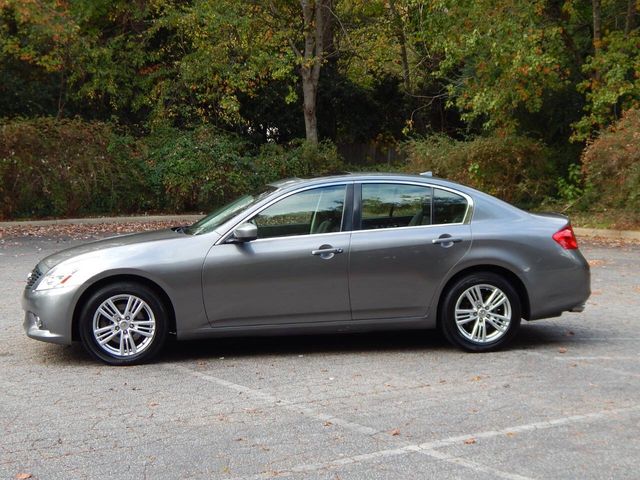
{"x":507,"y":274}
{"x":164,"y":298}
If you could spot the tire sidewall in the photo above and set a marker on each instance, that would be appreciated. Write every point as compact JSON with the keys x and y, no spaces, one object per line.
{"x":448,"y":323}
{"x":125,"y":288}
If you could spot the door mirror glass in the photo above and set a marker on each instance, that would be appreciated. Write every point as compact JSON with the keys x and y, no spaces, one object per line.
{"x":245,"y":232}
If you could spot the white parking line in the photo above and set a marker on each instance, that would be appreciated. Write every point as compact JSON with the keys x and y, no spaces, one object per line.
{"x":593,"y":358}
{"x":427,"y":448}
{"x":596,"y":358}
{"x":296,"y":407}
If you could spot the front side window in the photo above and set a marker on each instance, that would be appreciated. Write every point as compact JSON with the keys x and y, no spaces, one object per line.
{"x":309,"y":212}
{"x":390,"y":205}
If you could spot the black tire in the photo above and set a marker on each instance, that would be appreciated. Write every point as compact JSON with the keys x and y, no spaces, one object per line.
{"x":148,"y":330}
{"x":468,"y":334}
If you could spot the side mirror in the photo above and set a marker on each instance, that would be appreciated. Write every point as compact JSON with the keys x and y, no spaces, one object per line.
{"x":245,"y":232}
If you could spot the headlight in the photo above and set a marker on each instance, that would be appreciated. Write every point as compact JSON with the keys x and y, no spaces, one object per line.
{"x":58,"y":277}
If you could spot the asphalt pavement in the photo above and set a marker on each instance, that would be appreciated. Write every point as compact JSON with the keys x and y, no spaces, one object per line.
{"x":562,"y":402}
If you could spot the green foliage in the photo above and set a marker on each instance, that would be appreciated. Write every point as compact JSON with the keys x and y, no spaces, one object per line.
{"x":54,"y":167}
{"x":613,"y":84}
{"x":515,"y":169}
{"x":50,"y":167}
{"x":195,"y":169}
{"x":612,"y":166}
{"x":572,"y":187}
{"x":299,"y":159}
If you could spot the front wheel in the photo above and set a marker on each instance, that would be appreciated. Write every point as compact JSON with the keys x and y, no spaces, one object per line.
{"x":481,"y":312}
{"x":123,"y":324}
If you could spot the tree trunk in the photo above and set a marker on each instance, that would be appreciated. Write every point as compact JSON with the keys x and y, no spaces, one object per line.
{"x":313,"y":14}
{"x":402,"y":39}
{"x":310,"y":94}
{"x":597,"y":26}
{"x":630,"y":22}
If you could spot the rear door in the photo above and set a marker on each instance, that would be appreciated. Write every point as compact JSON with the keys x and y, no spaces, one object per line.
{"x":407,"y":237}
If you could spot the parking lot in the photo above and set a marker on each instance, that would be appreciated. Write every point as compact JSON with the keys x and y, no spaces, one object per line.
{"x":563,"y":402}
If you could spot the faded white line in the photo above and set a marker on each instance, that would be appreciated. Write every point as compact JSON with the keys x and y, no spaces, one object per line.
{"x":309,"y":412}
{"x":346,"y":424}
{"x":596,"y":358}
{"x":429,"y":448}
{"x":594,"y":365}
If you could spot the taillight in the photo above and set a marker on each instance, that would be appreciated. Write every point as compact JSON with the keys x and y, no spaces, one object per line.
{"x":566,"y":238}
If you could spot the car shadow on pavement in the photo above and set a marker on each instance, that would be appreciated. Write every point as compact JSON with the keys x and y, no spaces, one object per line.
{"x":427,"y":341}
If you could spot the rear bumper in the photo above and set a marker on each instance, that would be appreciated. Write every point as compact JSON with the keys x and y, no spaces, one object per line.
{"x":563,"y":289}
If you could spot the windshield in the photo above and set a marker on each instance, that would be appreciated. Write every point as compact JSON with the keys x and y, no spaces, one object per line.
{"x":227,"y":212}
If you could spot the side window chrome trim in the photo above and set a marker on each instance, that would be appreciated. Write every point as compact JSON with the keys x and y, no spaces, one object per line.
{"x":253,"y":213}
{"x":467,"y":216}
{"x":306,"y":235}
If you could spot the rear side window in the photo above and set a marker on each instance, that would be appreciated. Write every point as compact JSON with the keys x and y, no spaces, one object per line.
{"x":391,"y":205}
{"x":448,"y":207}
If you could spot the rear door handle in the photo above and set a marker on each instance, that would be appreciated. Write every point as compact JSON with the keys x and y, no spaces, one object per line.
{"x":441,"y":240}
{"x":326,"y":251}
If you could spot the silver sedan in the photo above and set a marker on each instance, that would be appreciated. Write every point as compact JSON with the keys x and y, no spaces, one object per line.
{"x":336,"y":254}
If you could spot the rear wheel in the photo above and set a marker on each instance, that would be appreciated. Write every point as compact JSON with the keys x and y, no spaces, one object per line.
{"x":481,"y":312}
{"x":123,"y":324}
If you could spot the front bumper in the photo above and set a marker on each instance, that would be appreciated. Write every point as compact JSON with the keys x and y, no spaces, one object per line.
{"x":49,"y":314}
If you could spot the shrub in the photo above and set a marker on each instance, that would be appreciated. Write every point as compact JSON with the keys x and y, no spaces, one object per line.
{"x":298,"y":159}
{"x":52,"y":167}
{"x":196,"y":169}
{"x":514,"y":168}
{"x":611,"y":165}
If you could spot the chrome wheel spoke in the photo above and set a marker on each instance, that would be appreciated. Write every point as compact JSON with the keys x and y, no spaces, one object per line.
{"x":499,"y":300}
{"x":497,"y":323}
{"x":106,"y":336}
{"x":144,"y":333}
{"x":464,"y":316}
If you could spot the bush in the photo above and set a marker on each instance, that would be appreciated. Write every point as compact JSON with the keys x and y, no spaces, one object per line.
{"x":298,"y":159}
{"x":611,"y":165}
{"x":52,"y":167}
{"x":514,"y":168}
{"x":196,"y":169}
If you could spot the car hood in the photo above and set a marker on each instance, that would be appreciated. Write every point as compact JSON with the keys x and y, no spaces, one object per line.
{"x":107,"y":243}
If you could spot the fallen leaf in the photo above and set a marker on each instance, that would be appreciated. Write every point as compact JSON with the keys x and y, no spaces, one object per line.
{"x":470,"y":441}
{"x":562,"y":350}
{"x":596,"y":263}
{"x":395,"y":432}
{"x":477,"y":378}
{"x":511,"y":434}
{"x":23,"y":476}
{"x":327,"y":423}
{"x":153,"y":404}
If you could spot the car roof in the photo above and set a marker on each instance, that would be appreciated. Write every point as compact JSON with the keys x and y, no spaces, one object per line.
{"x":366,"y":176}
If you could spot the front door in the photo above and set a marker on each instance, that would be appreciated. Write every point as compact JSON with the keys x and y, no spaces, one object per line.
{"x":295,"y":272}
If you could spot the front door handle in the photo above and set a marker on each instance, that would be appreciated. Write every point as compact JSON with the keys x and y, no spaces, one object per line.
{"x":326,"y":251}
